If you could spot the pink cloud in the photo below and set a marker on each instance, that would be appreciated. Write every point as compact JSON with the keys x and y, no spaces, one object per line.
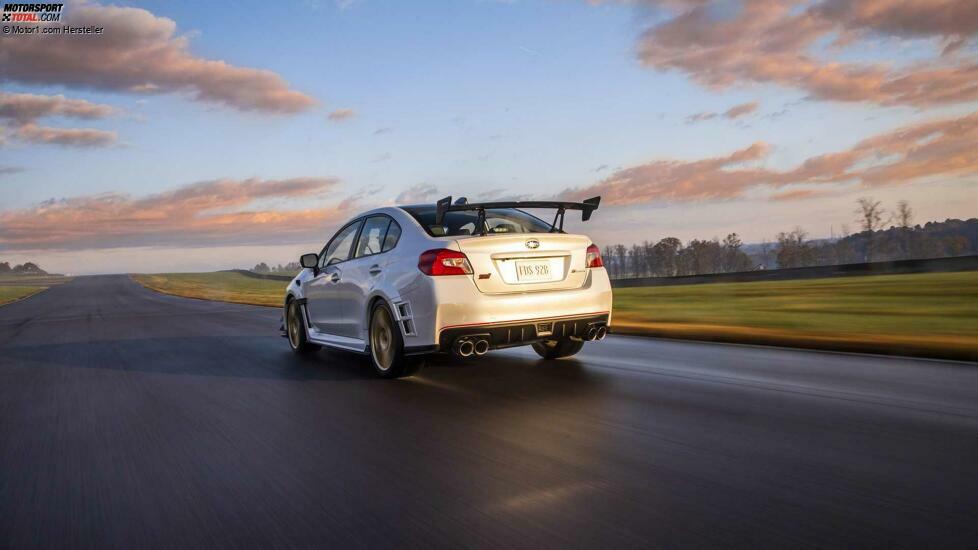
{"x":22,"y":110}
{"x":72,"y":137}
{"x":141,"y":53}
{"x":930,"y":149}
{"x":342,"y":114}
{"x":738,"y":111}
{"x":734,"y":112}
{"x":210,"y":213}
{"x":769,"y":41}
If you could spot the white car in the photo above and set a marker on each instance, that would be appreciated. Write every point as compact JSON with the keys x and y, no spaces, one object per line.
{"x":399,"y":283}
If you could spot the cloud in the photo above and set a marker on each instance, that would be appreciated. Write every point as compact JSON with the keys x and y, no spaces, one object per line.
{"x":208,"y":213}
{"x":711,"y":178}
{"x":342,"y":114}
{"x":798,"y":194}
{"x":740,"y":110}
{"x":141,"y":53}
{"x":769,"y":41}
{"x":416,"y":194}
{"x":25,"y":108}
{"x":734,"y":112}
{"x":700,"y":117}
{"x":22,"y":110}
{"x":71,"y":137}
{"x":937,"y":148}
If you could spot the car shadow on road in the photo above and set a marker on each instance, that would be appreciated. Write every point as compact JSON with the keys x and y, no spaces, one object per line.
{"x":235,"y":357}
{"x":270,"y":358}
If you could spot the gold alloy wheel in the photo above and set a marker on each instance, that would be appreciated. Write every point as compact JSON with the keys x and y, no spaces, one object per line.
{"x":294,"y":324}
{"x":382,"y":338}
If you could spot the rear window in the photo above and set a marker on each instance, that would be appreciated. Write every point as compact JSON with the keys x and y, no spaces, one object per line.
{"x":501,"y":221}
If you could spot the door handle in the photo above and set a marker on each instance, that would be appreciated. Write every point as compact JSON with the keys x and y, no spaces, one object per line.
{"x":375,"y":269}
{"x":335,"y":277}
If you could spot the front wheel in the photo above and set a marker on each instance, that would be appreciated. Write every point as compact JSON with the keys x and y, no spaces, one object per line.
{"x":555,"y":349}
{"x":295,"y":328}
{"x":387,"y":346}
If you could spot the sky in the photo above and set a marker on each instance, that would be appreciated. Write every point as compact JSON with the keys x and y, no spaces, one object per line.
{"x":192,"y":136}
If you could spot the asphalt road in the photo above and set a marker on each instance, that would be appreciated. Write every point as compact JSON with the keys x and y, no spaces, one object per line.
{"x":129,"y":419}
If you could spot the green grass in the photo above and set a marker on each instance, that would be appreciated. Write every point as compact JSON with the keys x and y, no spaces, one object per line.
{"x":16,"y":287}
{"x":12,"y":293}
{"x":923,"y":314}
{"x":930,"y":314}
{"x":224,"y":287}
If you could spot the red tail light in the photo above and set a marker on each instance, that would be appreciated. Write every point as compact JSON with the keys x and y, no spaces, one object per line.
{"x":594,"y":256}
{"x":442,"y":261}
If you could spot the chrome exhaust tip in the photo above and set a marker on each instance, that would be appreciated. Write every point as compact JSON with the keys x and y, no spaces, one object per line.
{"x":481,"y":347}
{"x":465,"y":348}
{"x":591,"y":334}
{"x":601,"y":333}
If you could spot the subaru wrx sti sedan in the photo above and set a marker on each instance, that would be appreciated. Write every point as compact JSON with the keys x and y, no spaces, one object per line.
{"x":400,"y":283}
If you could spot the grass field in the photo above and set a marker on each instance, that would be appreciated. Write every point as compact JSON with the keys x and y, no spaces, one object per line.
{"x":16,"y":287}
{"x":221,"y":286}
{"x":923,"y":314}
{"x":12,"y":293}
{"x":934,"y":314}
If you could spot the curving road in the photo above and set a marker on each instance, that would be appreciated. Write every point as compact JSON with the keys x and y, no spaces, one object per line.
{"x":129,"y":419}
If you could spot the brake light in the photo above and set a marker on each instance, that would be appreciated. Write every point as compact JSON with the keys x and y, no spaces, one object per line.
{"x":442,"y":261}
{"x":594,"y":256}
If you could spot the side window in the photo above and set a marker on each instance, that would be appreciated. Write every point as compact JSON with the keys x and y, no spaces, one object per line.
{"x":338,"y":249}
{"x":393,"y":234}
{"x":372,"y":236}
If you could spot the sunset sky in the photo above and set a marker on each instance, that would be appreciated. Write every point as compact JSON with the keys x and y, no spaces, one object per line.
{"x":196,"y":135}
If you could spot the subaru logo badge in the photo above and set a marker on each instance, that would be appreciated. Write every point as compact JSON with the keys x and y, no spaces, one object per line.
{"x":533,"y":243}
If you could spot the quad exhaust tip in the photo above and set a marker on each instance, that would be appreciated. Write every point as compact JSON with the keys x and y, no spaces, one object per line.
{"x":595,"y":332}
{"x":465,"y":348}
{"x":481,"y":347}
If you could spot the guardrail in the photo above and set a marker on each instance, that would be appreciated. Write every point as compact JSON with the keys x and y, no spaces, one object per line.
{"x":930,"y":265}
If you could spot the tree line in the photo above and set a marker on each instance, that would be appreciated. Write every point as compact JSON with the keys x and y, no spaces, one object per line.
{"x":290,"y":268}
{"x":26,"y":268}
{"x":902,"y":239}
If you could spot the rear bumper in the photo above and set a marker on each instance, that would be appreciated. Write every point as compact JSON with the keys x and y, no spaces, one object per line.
{"x":520,"y":333}
{"x":444,"y":307}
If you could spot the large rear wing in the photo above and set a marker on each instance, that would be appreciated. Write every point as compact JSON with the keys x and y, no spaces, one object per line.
{"x":587,"y":207}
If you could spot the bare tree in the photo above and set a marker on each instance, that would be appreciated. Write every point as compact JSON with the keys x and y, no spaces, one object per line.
{"x":793,"y":250}
{"x":609,"y":261}
{"x":904,"y":216}
{"x":870,"y":217}
{"x":734,"y":258}
{"x":621,"y":257}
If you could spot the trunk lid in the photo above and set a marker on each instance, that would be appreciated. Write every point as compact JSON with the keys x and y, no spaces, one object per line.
{"x":526,"y":262}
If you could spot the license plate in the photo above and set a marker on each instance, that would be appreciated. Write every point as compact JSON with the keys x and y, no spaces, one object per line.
{"x":531,"y":271}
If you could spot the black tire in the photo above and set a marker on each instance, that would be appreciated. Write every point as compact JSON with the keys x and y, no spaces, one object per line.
{"x":555,"y":349}
{"x":387,"y":345}
{"x":296,"y":331}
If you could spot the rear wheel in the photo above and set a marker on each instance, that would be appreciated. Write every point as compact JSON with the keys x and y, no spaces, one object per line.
{"x":387,"y":346}
{"x":555,"y":349}
{"x":295,"y":327}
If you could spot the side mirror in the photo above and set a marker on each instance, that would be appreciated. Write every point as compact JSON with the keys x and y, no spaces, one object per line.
{"x":309,"y":261}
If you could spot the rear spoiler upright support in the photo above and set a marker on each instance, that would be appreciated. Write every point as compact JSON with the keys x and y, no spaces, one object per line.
{"x":587,"y":207}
